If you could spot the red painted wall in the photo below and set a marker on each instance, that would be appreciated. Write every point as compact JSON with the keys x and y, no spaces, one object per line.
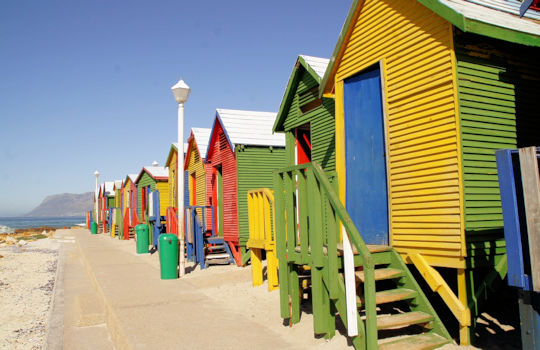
{"x":208,"y":170}
{"x":220,"y":153}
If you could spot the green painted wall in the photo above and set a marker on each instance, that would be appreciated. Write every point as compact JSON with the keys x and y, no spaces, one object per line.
{"x":322,"y":123}
{"x":110,"y":202}
{"x":498,"y":84}
{"x":145,"y":180}
{"x":255,"y":167}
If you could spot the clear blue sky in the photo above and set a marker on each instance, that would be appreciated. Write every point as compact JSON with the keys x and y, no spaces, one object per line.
{"x":85,"y":85}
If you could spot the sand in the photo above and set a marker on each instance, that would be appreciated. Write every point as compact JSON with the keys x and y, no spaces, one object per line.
{"x":27,"y":277}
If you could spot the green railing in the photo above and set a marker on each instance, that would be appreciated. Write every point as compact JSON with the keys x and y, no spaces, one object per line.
{"x":309,"y":218}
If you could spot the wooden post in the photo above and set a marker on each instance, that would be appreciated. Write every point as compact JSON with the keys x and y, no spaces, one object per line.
{"x":531,"y":193}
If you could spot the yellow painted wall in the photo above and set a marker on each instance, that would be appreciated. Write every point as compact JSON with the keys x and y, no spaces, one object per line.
{"x":195,"y":165}
{"x":172,"y":164}
{"x":127,"y":190}
{"x":415,"y":49}
{"x":163,"y":188}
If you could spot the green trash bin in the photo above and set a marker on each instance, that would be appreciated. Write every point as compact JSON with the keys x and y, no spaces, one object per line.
{"x":93,"y":227}
{"x":168,"y":256}
{"x":142,"y":238}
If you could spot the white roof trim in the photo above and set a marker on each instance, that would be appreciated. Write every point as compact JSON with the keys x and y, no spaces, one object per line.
{"x":490,"y":15}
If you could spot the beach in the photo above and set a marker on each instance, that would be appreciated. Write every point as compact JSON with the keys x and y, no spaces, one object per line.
{"x":27,"y":278}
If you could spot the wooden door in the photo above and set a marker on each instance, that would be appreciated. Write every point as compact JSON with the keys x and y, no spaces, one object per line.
{"x":365,"y":156}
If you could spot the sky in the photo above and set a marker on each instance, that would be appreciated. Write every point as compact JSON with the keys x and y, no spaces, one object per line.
{"x":85,"y":85}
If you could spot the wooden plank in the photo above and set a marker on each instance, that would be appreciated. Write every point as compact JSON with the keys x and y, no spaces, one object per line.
{"x":381,"y":274}
{"x":415,"y":342}
{"x":402,"y":320}
{"x":531,"y":193}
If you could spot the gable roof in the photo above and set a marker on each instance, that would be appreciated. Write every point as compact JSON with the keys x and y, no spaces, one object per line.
{"x":109,"y":188}
{"x":174,"y":149}
{"x":202,"y":138}
{"x":118,"y":184}
{"x":316,"y":67}
{"x":158,"y":173}
{"x":497,"y":19}
{"x":131,"y":177}
{"x":247,"y":128}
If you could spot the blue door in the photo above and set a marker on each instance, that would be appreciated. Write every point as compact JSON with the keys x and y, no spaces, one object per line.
{"x":366,"y":195}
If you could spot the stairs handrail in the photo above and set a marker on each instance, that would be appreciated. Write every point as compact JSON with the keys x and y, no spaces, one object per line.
{"x":311,"y":179}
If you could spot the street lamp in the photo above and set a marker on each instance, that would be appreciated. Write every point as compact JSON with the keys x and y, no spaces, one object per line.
{"x":181,"y":92}
{"x":96,"y":174}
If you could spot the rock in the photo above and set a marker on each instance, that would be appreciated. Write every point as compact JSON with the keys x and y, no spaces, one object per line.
{"x":23,"y":242}
{"x":11,"y":240}
{"x":44,"y":233}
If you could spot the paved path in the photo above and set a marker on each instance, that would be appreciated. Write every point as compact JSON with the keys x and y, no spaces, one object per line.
{"x":112,"y":298}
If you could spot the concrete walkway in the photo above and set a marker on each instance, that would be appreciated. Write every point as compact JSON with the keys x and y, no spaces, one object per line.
{"x":111,"y":297}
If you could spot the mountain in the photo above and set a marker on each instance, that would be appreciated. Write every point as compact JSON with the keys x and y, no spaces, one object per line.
{"x":65,"y":204}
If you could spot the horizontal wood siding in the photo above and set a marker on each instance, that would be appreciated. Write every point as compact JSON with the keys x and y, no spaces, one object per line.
{"x":322,"y":123}
{"x":208,"y":199}
{"x":498,"y":84}
{"x":255,"y":170}
{"x":221,"y":154}
{"x":415,"y":48}
{"x":145,"y":180}
{"x":163,"y":188}
{"x":173,"y":187}
{"x":197,"y":167}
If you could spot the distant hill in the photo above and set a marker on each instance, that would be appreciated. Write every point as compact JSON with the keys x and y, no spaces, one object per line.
{"x":65,"y":204}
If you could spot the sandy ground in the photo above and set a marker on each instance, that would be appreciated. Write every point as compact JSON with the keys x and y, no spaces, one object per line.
{"x":27,"y":276}
{"x":28,"y":271}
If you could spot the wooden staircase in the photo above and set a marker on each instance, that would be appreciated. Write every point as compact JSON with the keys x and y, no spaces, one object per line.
{"x":217,"y":252}
{"x":391,"y":312}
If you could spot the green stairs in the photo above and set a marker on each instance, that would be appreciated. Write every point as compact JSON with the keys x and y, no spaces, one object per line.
{"x":392,"y":311}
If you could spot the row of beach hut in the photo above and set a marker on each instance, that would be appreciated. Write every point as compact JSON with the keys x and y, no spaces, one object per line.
{"x":381,"y":161}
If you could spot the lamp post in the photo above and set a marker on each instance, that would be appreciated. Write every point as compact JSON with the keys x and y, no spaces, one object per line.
{"x":181,"y":92}
{"x":96,"y":174}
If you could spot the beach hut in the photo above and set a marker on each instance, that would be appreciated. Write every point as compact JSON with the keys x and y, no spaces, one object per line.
{"x":242,"y":153}
{"x":306,"y":119}
{"x":130,"y":217}
{"x":172,"y":164}
{"x":116,"y":213}
{"x":425,"y":92}
{"x":150,"y":179}
{"x":108,"y":204}
{"x":195,"y":166}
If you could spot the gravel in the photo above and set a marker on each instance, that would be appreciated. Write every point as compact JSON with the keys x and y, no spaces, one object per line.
{"x":27,"y":277}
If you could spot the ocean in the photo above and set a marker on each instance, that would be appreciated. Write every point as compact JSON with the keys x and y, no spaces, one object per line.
{"x":9,"y":224}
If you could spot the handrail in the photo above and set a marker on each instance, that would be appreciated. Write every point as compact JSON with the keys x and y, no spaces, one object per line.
{"x":262,"y":225}
{"x":305,"y":194}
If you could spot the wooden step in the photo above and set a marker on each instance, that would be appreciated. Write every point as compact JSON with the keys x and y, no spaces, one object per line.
{"x":215,"y":240}
{"x":217,"y":256}
{"x":218,"y":261}
{"x":216,"y":247}
{"x":389,"y":296}
{"x":381,"y":274}
{"x":425,"y":341}
{"x":402,"y":320}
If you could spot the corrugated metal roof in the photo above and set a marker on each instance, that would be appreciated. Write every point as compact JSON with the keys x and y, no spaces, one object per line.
{"x":250,"y":128}
{"x":109,"y":188}
{"x":318,"y":64}
{"x":500,"y":13}
{"x":202,"y":138}
{"x":510,"y":6}
{"x":157,"y":171}
{"x":118,"y":184}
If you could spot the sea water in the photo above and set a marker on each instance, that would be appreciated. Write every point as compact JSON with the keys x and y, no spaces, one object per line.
{"x":9,"y":224}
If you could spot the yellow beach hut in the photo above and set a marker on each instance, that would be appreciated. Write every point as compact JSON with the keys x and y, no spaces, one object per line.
{"x":425,"y":92}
